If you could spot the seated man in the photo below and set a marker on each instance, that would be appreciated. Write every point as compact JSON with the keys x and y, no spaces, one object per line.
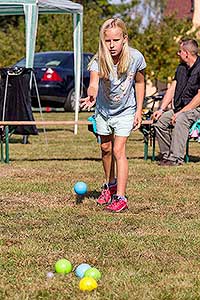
{"x":172,"y":126}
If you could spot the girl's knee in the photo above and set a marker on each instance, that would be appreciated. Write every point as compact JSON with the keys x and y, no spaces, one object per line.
{"x":119,"y":153}
{"x":106,"y":147}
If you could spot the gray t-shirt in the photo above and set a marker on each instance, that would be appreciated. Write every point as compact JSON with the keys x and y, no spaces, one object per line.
{"x":117,"y":95}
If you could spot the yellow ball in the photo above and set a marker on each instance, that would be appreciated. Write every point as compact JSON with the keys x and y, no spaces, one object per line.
{"x":87,"y":284}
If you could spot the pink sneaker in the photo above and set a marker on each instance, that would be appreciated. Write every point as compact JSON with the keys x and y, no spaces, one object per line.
{"x":106,"y":194}
{"x":118,"y":204}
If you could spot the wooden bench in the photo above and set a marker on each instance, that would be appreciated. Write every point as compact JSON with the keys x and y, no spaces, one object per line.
{"x":6,"y":125}
{"x":147,"y":129}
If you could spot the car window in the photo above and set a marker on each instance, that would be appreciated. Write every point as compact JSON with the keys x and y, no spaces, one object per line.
{"x":53,"y":63}
{"x":47,"y":60}
{"x":50,"y":60}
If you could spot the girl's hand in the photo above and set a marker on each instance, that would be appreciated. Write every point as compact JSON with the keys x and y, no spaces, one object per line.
{"x":137,"y":120}
{"x":88,"y":102}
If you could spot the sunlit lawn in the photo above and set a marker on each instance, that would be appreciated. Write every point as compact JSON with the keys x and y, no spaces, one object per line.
{"x":152,"y":251}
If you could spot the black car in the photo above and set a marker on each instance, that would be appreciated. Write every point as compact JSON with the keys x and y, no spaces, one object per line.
{"x":54,"y":72}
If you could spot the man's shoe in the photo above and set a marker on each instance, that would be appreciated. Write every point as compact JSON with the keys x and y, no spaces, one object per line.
{"x":118,"y":204}
{"x":162,"y":162}
{"x":170,"y":163}
{"x":106,"y":194}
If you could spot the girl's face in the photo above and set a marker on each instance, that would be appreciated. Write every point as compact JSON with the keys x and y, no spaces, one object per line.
{"x":114,"y":40}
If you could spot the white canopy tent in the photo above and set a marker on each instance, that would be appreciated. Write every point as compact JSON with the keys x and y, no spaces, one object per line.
{"x":31,"y":9}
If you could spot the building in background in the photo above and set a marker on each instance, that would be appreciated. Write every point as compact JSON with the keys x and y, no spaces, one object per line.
{"x":196,"y":15}
{"x":182,"y":9}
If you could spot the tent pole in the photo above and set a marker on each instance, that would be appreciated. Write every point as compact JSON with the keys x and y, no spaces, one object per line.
{"x":77,"y":62}
{"x":31,"y":19}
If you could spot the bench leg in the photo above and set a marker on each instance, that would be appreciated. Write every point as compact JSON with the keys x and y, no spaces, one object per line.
{"x":146,"y":146}
{"x":153,"y":144}
{"x":7,"y":144}
{"x":2,"y":156}
{"x":187,"y":152}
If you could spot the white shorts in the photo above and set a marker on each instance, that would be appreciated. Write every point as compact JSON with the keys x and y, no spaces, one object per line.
{"x":117,"y":125}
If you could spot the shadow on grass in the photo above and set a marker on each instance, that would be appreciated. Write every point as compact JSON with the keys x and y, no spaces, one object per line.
{"x":57,"y":159}
{"x":90,"y":194}
{"x":55,"y":129}
{"x":93,"y":194}
{"x":73,"y":159}
{"x":194,"y":159}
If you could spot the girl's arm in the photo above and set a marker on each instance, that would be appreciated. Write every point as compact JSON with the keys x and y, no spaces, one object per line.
{"x":139,"y":92}
{"x":90,"y":100}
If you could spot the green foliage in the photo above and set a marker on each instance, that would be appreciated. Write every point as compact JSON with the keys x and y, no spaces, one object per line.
{"x":12,"y":43}
{"x":158,"y":41}
{"x":109,"y":10}
{"x":55,"y":32}
{"x":159,"y":44}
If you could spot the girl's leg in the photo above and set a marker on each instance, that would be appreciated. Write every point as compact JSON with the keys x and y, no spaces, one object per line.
{"x":107,"y":157}
{"x":119,"y":201}
{"x":110,"y":188}
{"x":119,"y":152}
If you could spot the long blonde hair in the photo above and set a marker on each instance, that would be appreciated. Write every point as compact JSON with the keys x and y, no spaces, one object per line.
{"x":103,"y":55}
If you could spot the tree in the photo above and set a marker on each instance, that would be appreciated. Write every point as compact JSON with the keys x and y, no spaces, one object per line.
{"x":159,"y":44}
{"x":12,"y":43}
{"x":55,"y":31}
{"x":158,"y":40}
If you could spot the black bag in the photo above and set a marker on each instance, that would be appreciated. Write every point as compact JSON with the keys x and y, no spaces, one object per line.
{"x":15,"y":99}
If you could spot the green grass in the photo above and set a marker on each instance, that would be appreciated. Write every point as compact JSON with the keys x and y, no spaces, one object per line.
{"x":149,"y":252}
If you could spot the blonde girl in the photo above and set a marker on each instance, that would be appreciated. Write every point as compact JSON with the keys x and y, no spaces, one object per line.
{"x":117,"y":89}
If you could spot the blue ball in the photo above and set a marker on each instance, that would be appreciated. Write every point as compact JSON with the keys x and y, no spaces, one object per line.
{"x":81,"y":269}
{"x":80,"y":188}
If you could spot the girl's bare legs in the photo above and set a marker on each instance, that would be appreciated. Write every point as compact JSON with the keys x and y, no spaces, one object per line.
{"x":107,"y":157}
{"x":119,"y":152}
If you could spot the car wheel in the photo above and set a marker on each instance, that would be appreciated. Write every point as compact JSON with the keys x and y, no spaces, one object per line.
{"x":70,"y":102}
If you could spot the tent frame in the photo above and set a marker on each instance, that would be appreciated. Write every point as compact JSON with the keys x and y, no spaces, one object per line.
{"x":31,"y":9}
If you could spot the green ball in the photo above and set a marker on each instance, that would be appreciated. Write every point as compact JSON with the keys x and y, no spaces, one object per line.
{"x":93,"y":273}
{"x":63,"y":266}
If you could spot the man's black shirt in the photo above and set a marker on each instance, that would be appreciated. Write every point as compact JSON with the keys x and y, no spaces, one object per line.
{"x":188,"y":84}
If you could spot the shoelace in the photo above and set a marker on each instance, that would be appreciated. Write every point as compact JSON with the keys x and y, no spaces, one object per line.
{"x":104,"y":191}
{"x":114,"y":200}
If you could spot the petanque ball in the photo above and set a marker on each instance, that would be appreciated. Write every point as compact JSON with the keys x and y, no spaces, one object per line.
{"x":80,"y":270}
{"x":93,"y":273}
{"x":50,"y":275}
{"x":80,"y":188}
{"x":63,"y":266}
{"x":87,"y":284}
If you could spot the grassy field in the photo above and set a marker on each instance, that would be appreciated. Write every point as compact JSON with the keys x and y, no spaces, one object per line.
{"x":152,"y":251}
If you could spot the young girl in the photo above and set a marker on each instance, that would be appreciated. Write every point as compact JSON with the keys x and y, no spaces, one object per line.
{"x":117,"y":88}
